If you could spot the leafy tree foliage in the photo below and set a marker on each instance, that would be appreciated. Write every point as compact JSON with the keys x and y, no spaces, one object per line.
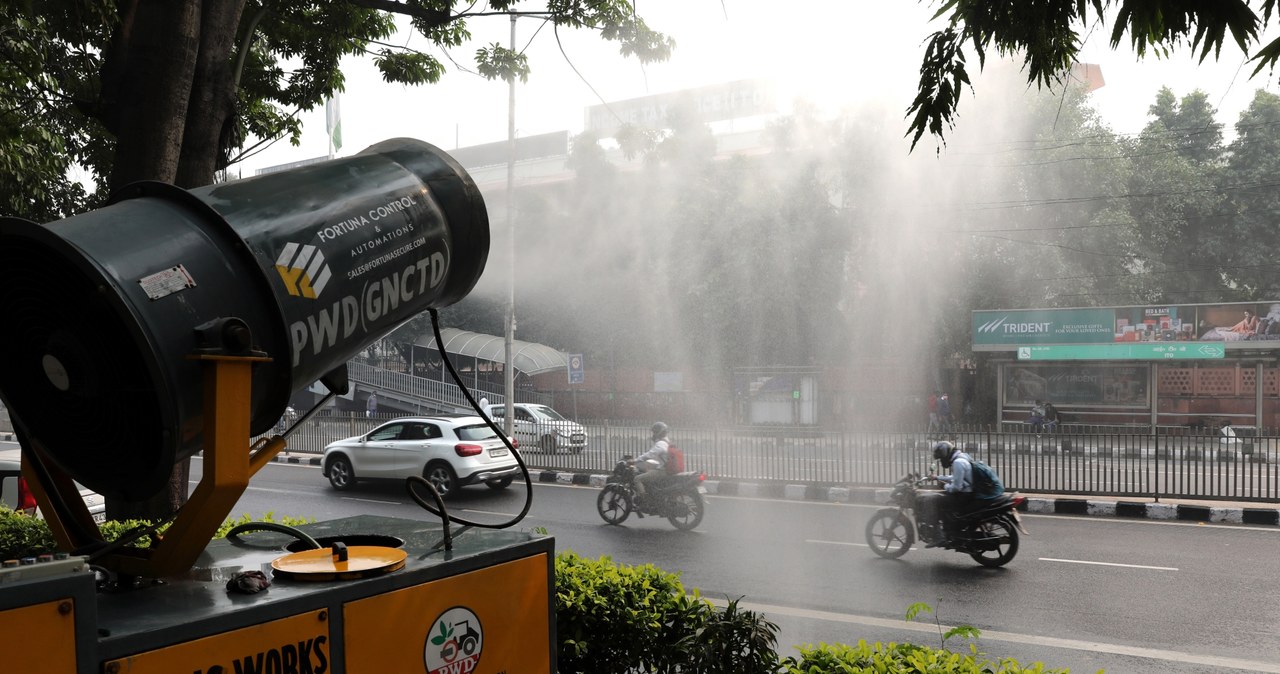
{"x":1048,"y":36}
{"x":1250,"y":182}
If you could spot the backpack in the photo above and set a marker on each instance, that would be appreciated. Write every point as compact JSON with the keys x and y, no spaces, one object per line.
{"x":675,"y":460}
{"x":986,"y":484}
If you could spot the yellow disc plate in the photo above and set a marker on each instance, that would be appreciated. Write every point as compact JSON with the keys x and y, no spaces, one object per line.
{"x":322,"y":564}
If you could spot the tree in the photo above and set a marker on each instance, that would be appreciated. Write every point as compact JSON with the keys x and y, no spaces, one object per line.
{"x":1250,"y":182}
{"x":1048,"y":36}
{"x":170,"y":90}
{"x":1178,"y":213}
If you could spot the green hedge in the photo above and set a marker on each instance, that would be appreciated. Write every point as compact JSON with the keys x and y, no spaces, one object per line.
{"x":24,"y":536}
{"x":893,"y":658}
{"x":614,"y":619}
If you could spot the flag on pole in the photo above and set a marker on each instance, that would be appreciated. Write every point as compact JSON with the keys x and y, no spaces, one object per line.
{"x":333,"y":122}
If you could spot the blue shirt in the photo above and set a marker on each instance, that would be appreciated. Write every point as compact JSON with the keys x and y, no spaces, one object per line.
{"x":961,"y":478}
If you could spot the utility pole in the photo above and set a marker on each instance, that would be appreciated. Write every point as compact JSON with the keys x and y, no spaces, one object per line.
{"x":508,"y":370}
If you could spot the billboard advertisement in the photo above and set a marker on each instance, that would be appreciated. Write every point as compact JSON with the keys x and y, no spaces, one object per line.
{"x":1239,"y":325}
{"x":1075,"y":384}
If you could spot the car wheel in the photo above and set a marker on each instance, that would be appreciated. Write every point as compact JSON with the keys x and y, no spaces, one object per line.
{"x":341,"y":475}
{"x":442,"y":477}
{"x":500,"y":483}
{"x":548,"y":444}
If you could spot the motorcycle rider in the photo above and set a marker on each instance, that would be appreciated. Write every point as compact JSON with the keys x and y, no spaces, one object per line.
{"x":653,"y":463}
{"x":958,"y":487}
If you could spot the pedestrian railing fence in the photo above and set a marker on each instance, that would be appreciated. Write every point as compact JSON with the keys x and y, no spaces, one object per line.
{"x":1210,"y":465}
{"x":1245,"y":467}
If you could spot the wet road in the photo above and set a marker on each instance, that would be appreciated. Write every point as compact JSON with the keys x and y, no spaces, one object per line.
{"x":1085,"y":593}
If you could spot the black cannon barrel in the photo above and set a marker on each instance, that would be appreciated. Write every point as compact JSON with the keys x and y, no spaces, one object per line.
{"x":102,"y":309}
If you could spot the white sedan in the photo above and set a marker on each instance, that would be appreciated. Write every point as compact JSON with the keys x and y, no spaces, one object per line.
{"x":449,"y":451}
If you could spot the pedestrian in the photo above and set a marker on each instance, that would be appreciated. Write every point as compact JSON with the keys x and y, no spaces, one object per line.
{"x":371,"y":408}
{"x":944,"y":413}
{"x":933,"y":412}
{"x":484,"y":407}
{"x":1037,"y":417}
{"x":1051,"y":417}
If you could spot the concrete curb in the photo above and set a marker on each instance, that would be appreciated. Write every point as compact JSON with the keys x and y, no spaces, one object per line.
{"x":1226,"y":513}
{"x":297,"y":460}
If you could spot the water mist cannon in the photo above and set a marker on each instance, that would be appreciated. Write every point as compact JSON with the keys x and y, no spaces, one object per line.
{"x":108,"y":312}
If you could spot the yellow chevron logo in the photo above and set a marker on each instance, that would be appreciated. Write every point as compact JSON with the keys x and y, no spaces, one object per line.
{"x":303,"y":270}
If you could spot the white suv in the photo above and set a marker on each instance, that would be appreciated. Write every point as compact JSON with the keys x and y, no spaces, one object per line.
{"x":451,"y":451}
{"x":542,"y":427}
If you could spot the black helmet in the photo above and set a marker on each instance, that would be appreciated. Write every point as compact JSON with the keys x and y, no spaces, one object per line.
{"x":659,"y":431}
{"x":943,"y":452}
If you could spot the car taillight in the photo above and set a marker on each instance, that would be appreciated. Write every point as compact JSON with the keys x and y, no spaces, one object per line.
{"x":466,"y":449}
{"x":26,"y":499}
{"x":702,"y":477}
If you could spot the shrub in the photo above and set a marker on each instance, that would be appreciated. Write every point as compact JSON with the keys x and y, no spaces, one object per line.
{"x":893,"y":658}
{"x":613,"y":619}
{"x":731,"y":641}
{"x":22,"y":535}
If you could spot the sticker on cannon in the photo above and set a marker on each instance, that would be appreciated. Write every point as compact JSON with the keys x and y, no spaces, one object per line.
{"x":166,"y":282}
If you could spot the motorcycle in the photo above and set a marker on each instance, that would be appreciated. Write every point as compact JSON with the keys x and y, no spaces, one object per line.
{"x":677,"y":498}
{"x":989,"y":534}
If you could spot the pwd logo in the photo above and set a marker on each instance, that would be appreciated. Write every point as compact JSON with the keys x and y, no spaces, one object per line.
{"x":454,"y":643}
{"x":303,"y":270}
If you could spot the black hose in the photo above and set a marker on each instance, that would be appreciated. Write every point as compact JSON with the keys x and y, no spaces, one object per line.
{"x":235,"y":531}
{"x":442,"y":513}
{"x":528,"y":482}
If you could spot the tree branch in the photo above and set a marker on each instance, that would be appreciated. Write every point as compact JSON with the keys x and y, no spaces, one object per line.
{"x":437,"y":17}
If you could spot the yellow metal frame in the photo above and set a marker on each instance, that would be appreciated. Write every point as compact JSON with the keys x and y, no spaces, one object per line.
{"x":227,"y":468}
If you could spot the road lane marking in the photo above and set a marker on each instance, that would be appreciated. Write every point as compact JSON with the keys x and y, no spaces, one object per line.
{"x":1126,"y":566}
{"x":269,"y":490}
{"x":488,"y":512}
{"x":856,"y":545}
{"x":1217,"y":663}
{"x":371,"y":500}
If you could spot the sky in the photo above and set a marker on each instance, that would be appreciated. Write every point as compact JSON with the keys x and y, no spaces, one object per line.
{"x":830,"y":52}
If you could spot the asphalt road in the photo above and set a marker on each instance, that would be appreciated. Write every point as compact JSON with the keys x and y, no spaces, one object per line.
{"x":1085,"y":593}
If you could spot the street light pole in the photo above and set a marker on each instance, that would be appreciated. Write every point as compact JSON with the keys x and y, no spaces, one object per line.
{"x":508,"y":370}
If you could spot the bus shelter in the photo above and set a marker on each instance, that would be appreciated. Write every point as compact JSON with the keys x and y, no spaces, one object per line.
{"x":1196,"y":366}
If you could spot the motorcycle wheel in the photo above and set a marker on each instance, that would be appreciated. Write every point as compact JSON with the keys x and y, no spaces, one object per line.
{"x":613,"y":504}
{"x":685,"y":510}
{"x":890,"y":533}
{"x":1003,"y":551}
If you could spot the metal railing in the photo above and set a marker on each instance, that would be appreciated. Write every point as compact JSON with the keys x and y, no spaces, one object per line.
{"x":1202,"y":466}
{"x":1209,"y":466}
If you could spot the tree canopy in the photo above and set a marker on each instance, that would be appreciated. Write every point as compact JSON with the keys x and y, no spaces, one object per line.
{"x":1048,"y":36}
